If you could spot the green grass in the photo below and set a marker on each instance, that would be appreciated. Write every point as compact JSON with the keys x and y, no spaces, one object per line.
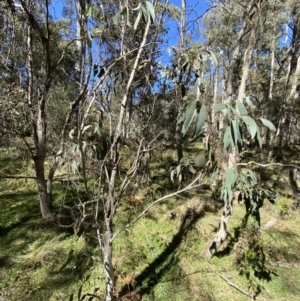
{"x":159,"y":258}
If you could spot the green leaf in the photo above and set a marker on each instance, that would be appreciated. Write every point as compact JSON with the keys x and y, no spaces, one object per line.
{"x":234,"y":131}
{"x":145,"y":14}
{"x":71,"y":134}
{"x":251,"y":125}
{"x":125,"y":11}
{"x":90,"y":10}
{"x":268,"y":124}
{"x":150,"y":10}
{"x":250,"y":174}
{"x":97,"y":128}
{"x":252,"y":177}
{"x":201,"y":120}
{"x":116,"y":19}
{"x":213,"y":57}
{"x":71,"y":297}
{"x":75,"y":166}
{"x":228,"y":142}
{"x":138,"y":18}
{"x":249,"y":103}
{"x":244,"y":179}
{"x":200,"y":159}
{"x":219,"y":107}
{"x":189,"y":116}
{"x":86,"y":128}
{"x":230,"y":178}
{"x":241,"y":108}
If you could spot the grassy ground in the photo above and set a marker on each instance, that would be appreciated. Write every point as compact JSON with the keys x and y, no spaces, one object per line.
{"x":159,"y":258}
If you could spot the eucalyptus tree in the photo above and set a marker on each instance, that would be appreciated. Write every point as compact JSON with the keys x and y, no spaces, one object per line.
{"x":233,"y":31}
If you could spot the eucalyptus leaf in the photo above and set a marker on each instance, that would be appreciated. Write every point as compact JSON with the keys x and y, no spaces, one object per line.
{"x":213,"y":57}
{"x":228,"y":142}
{"x":71,"y":134}
{"x":86,"y":128}
{"x":219,"y":107}
{"x":116,"y":19}
{"x":249,"y":103}
{"x":268,"y":124}
{"x":138,"y":18}
{"x":150,"y":10}
{"x":241,"y":108}
{"x":189,"y":116}
{"x":251,"y":125}
{"x":201,"y":120}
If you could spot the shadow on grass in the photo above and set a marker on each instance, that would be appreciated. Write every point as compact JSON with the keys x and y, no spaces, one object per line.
{"x":165,"y":262}
{"x":17,"y":209}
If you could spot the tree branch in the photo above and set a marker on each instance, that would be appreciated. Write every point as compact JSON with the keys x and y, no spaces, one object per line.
{"x":190,"y":186}
{"x":267,"y":165}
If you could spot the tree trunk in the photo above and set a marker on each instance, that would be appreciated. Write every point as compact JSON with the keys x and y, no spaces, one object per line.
{"x":107,"y":259}
{"x":221,"y":235}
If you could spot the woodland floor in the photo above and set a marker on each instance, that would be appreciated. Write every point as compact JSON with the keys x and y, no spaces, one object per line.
{"x":159,"y":258}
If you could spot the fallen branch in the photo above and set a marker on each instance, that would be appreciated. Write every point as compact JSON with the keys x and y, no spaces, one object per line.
{"x":17,"y":177}
{"x":228,"y":281}
{"x":190,"y":186}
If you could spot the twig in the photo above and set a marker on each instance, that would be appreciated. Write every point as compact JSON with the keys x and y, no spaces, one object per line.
{"x":225,"y":279}
{"x":190,"y":186}
{"x":267,"y":165}
{"x":17,"y":177}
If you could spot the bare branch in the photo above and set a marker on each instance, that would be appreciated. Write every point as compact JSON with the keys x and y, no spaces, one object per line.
{"x":268,"y":165}
{"x":192,"y":185}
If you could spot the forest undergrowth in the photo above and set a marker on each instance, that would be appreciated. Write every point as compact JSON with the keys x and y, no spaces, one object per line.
{"x":159,"y":257}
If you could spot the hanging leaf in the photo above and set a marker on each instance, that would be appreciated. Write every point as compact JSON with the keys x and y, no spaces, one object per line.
{"x":219,"y":107}
{"x":201,"y":120}
{"x":145,"y":14}
{"x":86,"y":128}
{"x":230,"y":178}
{"x":213,"y":57}
{"x":75,"y":166}
{"x":190,"y":113}
{"x":252,"y":177}
{"x":97,"y":128}
{"x":241,"y":108}
{"x":137,"y":8}
{"x":150,"y":10}
{"x":249,"y":103}
{"x":228,"y":142}
{"x":268,"y":124}
{"x":251,"y":125}
{"x":71,"y":134}
{"x":125,"y":11}
{"x":245,"y":181}
{"x":90,"y":10}
{"x":116,"y":19}
{"x":83,"y":145}
{"x":234,"y":132}
{"x":138,"y":18}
